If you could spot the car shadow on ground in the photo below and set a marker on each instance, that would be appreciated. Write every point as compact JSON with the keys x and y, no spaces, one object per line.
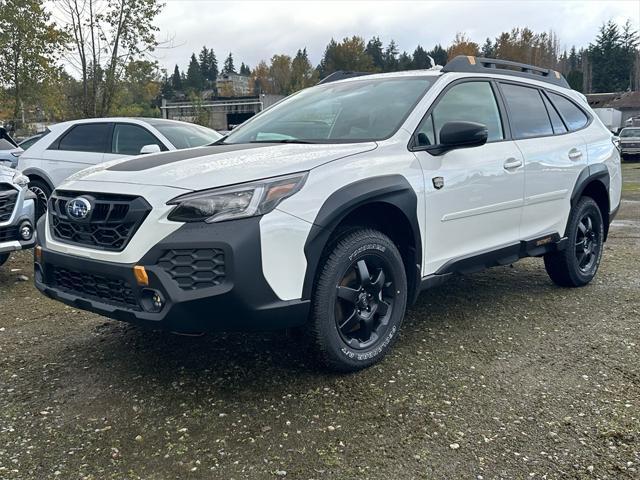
{"x":257,"y":361}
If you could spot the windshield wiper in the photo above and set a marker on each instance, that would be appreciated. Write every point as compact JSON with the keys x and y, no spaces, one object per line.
{"x":285,"y":140}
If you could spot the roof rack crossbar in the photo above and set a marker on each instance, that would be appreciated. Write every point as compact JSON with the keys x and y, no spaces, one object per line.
{"x":341,"y":75}
{"x":469,"y":64}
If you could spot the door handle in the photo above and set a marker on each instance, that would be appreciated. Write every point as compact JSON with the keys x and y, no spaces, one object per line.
{"x":512,"y":163}
{"x":575,"y":154}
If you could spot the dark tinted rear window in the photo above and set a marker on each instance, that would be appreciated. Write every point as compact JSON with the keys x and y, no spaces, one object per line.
{"x":527,"y":114}
{"x":90,"y":137}
{"x":573,"y":116}
{"x":556,"y":121}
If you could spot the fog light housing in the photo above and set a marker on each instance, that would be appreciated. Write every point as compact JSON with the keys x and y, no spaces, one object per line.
{"x":152,"y":300}
{"x":26,"y":231}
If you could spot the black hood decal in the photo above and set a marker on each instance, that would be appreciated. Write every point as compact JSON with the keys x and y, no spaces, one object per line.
{"x":159,"y":159}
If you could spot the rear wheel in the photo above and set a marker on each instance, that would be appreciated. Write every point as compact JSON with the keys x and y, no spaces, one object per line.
{"x":359,"y":301}
{"x":3,"y":258}
{"x":42,"y":192}
{"x":578,"y":263}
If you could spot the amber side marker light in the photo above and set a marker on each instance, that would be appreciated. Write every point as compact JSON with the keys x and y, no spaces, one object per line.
{"x":38,"y":254}
{"x":141,"y":275}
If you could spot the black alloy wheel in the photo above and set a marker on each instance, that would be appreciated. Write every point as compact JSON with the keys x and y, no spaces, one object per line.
{"x":588,"y":243}
{"x":365,"y":302}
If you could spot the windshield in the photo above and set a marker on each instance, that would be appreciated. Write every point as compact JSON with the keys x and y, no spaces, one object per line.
{"x":184,"y":135}
{"x":630,"y":132}
{"x":361,"y":110}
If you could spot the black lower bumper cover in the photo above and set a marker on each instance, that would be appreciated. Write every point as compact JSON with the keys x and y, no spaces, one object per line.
{"x":240,"y":300}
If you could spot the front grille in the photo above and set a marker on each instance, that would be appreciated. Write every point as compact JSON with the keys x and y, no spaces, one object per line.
{"x":111,"y":224}
{"x":8,"y":199}
{"x":101,"y":288}
{"x":194,"y":269}
{"x":8,"y":234}
{"x":631,"y":145}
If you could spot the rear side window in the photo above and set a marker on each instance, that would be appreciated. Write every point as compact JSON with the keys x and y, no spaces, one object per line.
{"x":466,"y":102}
{"x":556,"y":121}
{"x":527,"y":114}
{"x":89,"y":137}
{"x":129,"y":139}
{"x":573,"y":116}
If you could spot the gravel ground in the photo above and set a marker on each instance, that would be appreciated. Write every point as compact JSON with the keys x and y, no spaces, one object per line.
{"x":495,"y":375}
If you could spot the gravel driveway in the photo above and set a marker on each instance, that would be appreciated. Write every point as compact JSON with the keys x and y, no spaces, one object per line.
{"x":496,"y":375}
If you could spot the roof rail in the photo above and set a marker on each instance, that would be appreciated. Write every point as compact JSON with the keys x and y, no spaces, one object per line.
{"x":341,"y":75}
{"x":469,"y":64}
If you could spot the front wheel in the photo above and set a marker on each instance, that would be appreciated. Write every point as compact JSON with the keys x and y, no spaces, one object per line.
{"x":359,"y":301}
{"x":42,"y":192}
{"x":576,"y":265}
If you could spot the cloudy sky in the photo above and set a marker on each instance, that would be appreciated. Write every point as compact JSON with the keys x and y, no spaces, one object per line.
{"x":256,"y":30}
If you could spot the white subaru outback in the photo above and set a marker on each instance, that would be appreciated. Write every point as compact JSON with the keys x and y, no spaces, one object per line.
{"x":333,"y":209}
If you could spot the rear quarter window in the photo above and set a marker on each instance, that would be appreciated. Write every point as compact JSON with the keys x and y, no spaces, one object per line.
{"x":573,"y":115}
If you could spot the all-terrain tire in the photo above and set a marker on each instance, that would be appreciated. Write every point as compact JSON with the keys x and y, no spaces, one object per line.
{"x":578,"y":263}
{"x":379,"y":302}
{"x":42,"y":193}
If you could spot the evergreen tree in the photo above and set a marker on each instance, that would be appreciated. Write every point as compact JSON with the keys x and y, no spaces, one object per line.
{"x":348,"y":55}
{"x":439,"y":55}
{"x":176,"y":79}
{"x":302,"y":73}
{"x":420,"y":59}
{"x":195,"y":81}
{"x":228,"y":65}
{"x":612,"y":58}
{"x":374,"y":50}
{"x":405,"y":62}
{"x":208,"y":67}
{"x":488,"y":50}
{"x":244,"y":69}
{"x":390,"y":57}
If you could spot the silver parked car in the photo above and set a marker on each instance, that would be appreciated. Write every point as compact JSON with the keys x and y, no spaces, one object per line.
{"x":17,"y":210}
{"x":9,"y":150}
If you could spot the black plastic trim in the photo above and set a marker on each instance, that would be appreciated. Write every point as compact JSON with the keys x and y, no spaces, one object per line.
{"x":394,"y":190}
{"x":243,"y":301}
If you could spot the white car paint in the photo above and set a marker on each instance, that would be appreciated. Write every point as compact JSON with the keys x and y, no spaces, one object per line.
{"x":494,"y":195}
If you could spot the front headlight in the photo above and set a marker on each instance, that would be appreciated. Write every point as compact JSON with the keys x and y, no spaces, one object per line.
{"x":237,"y":201}
{"x":21,"y":180}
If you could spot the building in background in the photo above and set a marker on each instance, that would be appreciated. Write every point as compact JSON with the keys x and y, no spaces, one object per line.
{"x":219,"y":114}
{"x":628,"y":103}
{"x":233,"y":85}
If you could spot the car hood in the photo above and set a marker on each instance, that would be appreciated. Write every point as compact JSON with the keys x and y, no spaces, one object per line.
{"x":219,"y":165}
{"x":6,"y":174}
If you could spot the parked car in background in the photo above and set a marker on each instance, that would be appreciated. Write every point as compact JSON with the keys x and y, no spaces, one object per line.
{"x":73,"y":146}
{"x":17,"y":210}
{"x":9,"y":150}
{"x":629,"y":142}
{"x":27,"y":142}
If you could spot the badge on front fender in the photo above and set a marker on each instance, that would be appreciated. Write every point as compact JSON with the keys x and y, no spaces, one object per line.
{"x":438,"y":182}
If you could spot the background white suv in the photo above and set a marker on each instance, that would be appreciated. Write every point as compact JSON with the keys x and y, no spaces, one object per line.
{"x":69,"y":147}
{"x":334,"y":208}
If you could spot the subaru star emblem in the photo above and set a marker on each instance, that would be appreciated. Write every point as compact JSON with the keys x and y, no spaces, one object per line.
{"x":79,"y":208}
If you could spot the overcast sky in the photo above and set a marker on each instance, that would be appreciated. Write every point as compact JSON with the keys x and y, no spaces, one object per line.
{"x":256,"y":30}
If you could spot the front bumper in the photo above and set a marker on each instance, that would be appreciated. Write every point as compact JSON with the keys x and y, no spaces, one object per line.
{"x":209,"y":277}
{"x":24,"y":212}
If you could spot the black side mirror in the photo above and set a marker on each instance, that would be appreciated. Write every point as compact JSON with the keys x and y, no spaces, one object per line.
{"x":455,"y":135}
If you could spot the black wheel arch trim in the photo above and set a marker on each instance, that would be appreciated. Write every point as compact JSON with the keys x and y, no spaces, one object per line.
{"x":597,"y":172}
{"x":394,"y":190}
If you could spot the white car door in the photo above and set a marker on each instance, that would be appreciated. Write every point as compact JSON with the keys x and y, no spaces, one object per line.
{"x":474,"y":196}
{"x":80,"y":147}
{"x":554,"y":155}
{"x":128,"y":139}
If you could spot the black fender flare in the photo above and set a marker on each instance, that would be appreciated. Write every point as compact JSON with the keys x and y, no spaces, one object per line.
{"x":394,"y":190}
{"x":598,"y":172}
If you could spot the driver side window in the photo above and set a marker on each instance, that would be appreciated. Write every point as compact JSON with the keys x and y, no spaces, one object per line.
{"x":465,"y":102}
